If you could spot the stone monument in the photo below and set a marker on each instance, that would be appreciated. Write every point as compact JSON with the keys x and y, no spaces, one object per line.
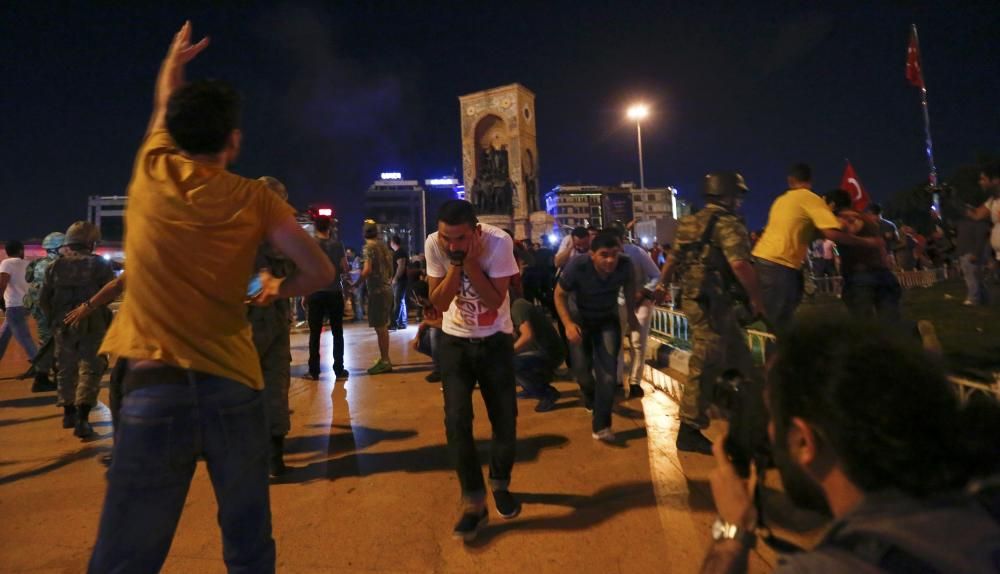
{"x":500,"y":158}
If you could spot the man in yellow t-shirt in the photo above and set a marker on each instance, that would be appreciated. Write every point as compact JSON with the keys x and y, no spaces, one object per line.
{"x":193,"y":389}
{"x":796,"y":218}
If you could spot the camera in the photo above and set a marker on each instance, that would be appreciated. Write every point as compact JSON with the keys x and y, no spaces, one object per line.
{"x":742,"y":401}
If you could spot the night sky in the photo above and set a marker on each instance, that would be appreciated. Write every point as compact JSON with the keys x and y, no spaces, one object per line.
{"x":336,"y":94}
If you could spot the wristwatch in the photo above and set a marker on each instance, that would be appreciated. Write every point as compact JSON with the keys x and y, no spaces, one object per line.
{"x":722,"y":530}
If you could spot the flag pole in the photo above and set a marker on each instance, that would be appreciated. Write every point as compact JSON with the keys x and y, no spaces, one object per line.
{"x":929,"y":143}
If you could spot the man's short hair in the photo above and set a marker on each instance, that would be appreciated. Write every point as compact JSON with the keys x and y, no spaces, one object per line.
{"x":882,"y":406}
{"x":605,"y":240}
{"x":801,"y":172}
{"x":579,"y":232}
{"x":839,"y":198}
{"x":875,"y":208}
{"x":322,"y":224}
{"x":14,"y":248}
{"x":991,"y":169}
{"x":202,"y":114}
{"x":371,"y":231}
{"x":457,"y":212}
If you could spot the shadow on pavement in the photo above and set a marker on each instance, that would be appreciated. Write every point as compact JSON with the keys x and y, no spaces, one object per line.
{"x":36,"y":401}
{"x":9,"y":422}
{"x":68,"y":458}
{"x":424,"y":459}
{"x":356,"y":438}
{"x":588,"y":511}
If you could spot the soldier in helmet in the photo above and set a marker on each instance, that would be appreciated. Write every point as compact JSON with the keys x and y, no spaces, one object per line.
{"x":271,"y":337}
{"x":35,"y":275}
{"x":70,"y":281}
{"x":712,"y":257}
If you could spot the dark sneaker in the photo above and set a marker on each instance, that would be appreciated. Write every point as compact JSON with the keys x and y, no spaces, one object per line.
{"x":276,"y":458}
{"x":69,"y":417}
{"x":433,"y":377}
{"x":342,"y":373}
{"x":507,"y":506}
{"x":469,"y":524}
{"x":42,"y":384}
{"x":545,"y":405}
{"x":636,"y":391}
{"x":690,"y":439}
{"x":83,"y":428}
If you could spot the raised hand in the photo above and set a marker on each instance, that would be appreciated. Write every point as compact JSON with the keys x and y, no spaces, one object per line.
{"x":181,"y":50}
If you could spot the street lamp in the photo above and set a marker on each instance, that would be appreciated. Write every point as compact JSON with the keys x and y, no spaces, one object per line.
{"x":638,"y":112}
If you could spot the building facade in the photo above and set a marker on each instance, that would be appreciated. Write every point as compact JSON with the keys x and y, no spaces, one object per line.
{"x":583,"y":205}
{"x":398,"y":206}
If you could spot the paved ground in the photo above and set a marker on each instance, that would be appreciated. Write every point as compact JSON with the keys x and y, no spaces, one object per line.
{"x":371,"y":489}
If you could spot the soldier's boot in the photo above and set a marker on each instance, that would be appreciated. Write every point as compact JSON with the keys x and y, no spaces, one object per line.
{"x":42,"y":384}
{"x":83,"y":428}
{"x":690,"y":439}
{"x":277,"y":459}
{"x":69,"y":416}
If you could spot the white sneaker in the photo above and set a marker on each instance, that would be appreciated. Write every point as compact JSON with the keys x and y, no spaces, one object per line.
{"x":604,"y":435}
{"x":969,"y":303}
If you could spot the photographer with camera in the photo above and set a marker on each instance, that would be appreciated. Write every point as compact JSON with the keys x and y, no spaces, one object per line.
{"x":864,"y":425}
{"x":712,"y":256}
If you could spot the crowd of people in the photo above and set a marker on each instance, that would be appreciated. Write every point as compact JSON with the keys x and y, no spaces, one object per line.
{"x":858,"y":419}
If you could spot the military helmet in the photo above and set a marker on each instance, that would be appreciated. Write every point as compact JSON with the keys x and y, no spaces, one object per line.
{"x":53,"y":241}
{"x":82,"y":233}
{"x":724,"y":184}
{"x":276,"y":186}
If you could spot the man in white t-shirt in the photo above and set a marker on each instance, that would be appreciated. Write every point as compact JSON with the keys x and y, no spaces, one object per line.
{"x":13,"y":285}
{"x":989,"y":181}
{"x":469,"y":266}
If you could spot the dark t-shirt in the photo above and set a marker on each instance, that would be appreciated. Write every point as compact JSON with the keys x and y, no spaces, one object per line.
{"x":596,"y":297}
{"x":396,"y":256}
{"x":972,"y":237}
{"x":545,"y":337}
{"x":335,"y":251}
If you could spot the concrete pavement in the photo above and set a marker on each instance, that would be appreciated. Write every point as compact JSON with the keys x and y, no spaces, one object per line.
{"x":371,"y":489}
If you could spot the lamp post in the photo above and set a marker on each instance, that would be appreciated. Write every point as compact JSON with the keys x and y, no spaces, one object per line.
{"x":639,"y":112}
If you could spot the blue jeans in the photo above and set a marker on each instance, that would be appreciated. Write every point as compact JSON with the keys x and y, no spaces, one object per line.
{"x":16,"y":324}
{"x":972,"y":272}
{"x":490,"y":362}
{"x":595,"y":367}
{"x":781,"y":289}
{"x":873,"y":293}
{"x":430,"y":340}
{"x":170,"y":417}
{"x":534,"y":372}
{"x":399,"y":316}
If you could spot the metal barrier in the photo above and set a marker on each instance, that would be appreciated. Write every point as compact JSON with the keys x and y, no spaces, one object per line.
{"x":966,"y":388}
{"x":671,"y":326}
{"x":834,"y":285}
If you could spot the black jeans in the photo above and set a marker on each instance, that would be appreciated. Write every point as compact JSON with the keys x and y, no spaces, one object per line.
{"x":323,"y":304}
{"x":490,"y":362}
{"x":595,"y":367}
{"x":781,"y":288}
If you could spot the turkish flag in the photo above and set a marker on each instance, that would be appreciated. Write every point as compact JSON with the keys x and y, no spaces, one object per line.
{"x":914,"y":72}
{"x":849,"y":183}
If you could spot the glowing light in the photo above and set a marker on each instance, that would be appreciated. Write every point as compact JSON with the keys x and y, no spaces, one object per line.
{"x":106,"y":257}
{"x":645,"y":241}
{"x":391,"y":175}
{"x":637,"y":112}
{"x":441,"y":181}
{"x":553,"y":238}
{"x":324,"y":212}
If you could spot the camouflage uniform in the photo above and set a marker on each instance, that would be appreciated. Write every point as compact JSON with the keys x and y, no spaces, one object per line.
{"x":70,"y":281}
{"x":271,"y":336}
{"x":35,"y":275}
{"x":718,"y":342}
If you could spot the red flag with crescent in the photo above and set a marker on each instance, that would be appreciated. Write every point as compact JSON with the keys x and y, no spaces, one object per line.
{"x":850,"y":183}
{"x":914,"y":72}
